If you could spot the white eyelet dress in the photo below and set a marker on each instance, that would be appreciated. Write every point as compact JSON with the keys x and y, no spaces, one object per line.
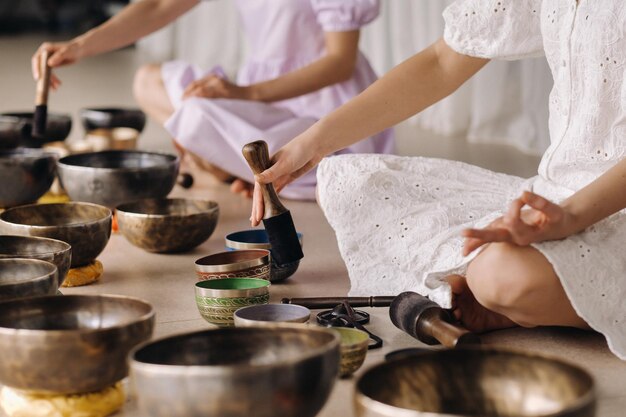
{"x":398,"y":219}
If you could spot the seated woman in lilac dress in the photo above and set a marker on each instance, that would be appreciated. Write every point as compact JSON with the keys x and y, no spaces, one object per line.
{"x":304,"y":62}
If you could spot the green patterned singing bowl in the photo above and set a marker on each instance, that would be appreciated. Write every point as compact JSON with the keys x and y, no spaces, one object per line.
{"x":475,"y":381}
{"x":218,"y":299}
{"x":353,"y":347}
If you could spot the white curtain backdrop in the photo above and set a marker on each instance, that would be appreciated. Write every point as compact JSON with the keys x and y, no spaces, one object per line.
{"x":506,"y":103}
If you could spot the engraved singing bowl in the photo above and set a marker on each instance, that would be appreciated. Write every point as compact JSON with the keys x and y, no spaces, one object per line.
{"x":487,"y":382}
{"x":85,"y":226}
{"x":258,"y":239}
{"x":72,"y":343}
{"x":112,"y":178}
{"x":235,"y":264}
{"x":22,"y":278}
{"x":55,"y":251}
{"x":26,"y":175}
{"x":167,"y":225}
{"x":237,"y":372}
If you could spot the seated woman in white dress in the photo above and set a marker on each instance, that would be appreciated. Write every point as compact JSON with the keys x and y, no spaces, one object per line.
{"x":304,"y":62}
{"x":556,"y":255}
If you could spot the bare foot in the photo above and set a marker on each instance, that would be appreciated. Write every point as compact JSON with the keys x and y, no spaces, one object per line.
{"x":242,"y":187}
{"x":470,"y":312}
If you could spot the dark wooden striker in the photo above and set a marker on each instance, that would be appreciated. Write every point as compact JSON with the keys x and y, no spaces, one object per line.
{"x":277,"y":220}
{"x":41,"y":97}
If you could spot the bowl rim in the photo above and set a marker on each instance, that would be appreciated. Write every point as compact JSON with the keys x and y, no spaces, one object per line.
{"x":302,"y":318}
{"x":264,"y":258}
{"x":44,"y":227}
{"x":262,"y":288}
{"x":229,"y":369}
{"x":62,"y":162}
{"x":8,"y":331}
{"x":26,"y":153}
{"x":213,"y":207}
{"x":50,"y":275}
{"x":230,"y":243}
{"x":362,"y":400}
{"x":66,"y":246}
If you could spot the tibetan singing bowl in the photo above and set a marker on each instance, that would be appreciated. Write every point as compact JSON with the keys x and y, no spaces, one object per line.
{"x":85,"y":226}
{"x":16,"y":129}
{"x":112,"y":178}
{"x":72,"y":343}
{"x":22,"y":278}
{"x":485,"y":382}
{"x":26,"y":175}
{"x":237,"y":372}
{"x":51,"y":250}
{"x":112,"y":117}
{"x":167,"y":225}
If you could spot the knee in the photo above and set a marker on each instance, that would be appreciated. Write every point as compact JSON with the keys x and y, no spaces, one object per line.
{"x":146,"y":79}
{"x":499,"y":278}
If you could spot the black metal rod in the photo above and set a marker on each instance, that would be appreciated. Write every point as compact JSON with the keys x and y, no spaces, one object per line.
{"x":330,"y":302}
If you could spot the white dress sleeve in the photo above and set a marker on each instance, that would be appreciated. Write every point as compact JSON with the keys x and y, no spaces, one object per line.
{"x":494,"y":29}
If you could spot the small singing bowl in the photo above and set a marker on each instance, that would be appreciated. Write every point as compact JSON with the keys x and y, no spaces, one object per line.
{"x":26,"y":175}
{"x":475,"y":382}
{"x":70,"y":344}
{"x":86,"y":227}
{"x":167,"y":225}
{"x":235,"y":264}
{"x":22,"y":278}
{"x":218,"y":299}
{"x":51,"y":250}
{"x":112,"y":117}
{"x":353,"y":346}
{"x":258,"y":239}
{"x":236,"y":372}
{"x":268,"y":315}
{"x":118,"y":138}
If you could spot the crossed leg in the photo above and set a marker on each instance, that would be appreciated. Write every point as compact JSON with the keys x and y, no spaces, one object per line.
{"x":508,"y":285}
{"x":149,"y":91}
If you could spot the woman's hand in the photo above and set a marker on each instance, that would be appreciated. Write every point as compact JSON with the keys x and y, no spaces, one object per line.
{"x":543,"y":221}
{"x":213,"y":86}
{"x":294,"y":160}
{"x":59,"y":54}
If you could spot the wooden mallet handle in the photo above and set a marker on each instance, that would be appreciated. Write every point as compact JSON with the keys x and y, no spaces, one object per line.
{"x":258,"y":157}
{"x":43,"y":83}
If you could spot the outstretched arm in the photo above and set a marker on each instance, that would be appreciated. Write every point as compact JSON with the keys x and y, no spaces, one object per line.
{"x":132,"y":23}
{"x":409,"y":88}
{"x":544,"y":220}
{"x":335,"y":66}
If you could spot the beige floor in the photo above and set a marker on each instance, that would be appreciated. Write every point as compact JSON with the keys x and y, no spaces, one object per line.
{"x":167,"y":280}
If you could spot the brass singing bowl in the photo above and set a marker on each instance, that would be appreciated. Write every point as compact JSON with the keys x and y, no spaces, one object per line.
{"x":487,"y":382}
{"x":85,"y":226}
{"x":51,"y":250}
{"x":237,"y":372}
{"x":72,"y":343}
{"x":21,"y":278}
{"x":167,"y":225}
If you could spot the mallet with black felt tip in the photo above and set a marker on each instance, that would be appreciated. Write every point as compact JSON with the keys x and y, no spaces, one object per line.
{"x":277,"y":220}
{"x":41,"y":97}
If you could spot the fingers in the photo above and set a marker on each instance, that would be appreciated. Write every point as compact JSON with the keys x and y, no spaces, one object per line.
{"x":475,"y":238}
{"x":257,"y":206}
{"x":554,"y":212}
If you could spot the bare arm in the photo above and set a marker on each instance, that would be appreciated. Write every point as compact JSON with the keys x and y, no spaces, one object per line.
{"x":133,"y":22}
{"x":409,"y":88}
{"x":335,"y":66}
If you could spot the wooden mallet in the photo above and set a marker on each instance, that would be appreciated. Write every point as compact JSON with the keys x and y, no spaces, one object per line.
{"x":41,"y":97}
{"x":277,"y":220}
{"x":426,"y":321}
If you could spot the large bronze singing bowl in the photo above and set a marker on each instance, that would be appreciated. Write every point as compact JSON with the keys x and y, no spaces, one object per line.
{"x":111,"y":178}
{"x":26,"y":175}
{"x":51,"y":250}
{"x":86,"y":227}
{"x":237,"y":372}
{"x":167,"y":225}
{"x":72,"y":343}
{"x":484,"y":382}
{"x":21,"y":278}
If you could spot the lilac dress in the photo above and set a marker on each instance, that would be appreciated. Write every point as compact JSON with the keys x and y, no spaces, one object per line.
{"x":284,"y":35}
